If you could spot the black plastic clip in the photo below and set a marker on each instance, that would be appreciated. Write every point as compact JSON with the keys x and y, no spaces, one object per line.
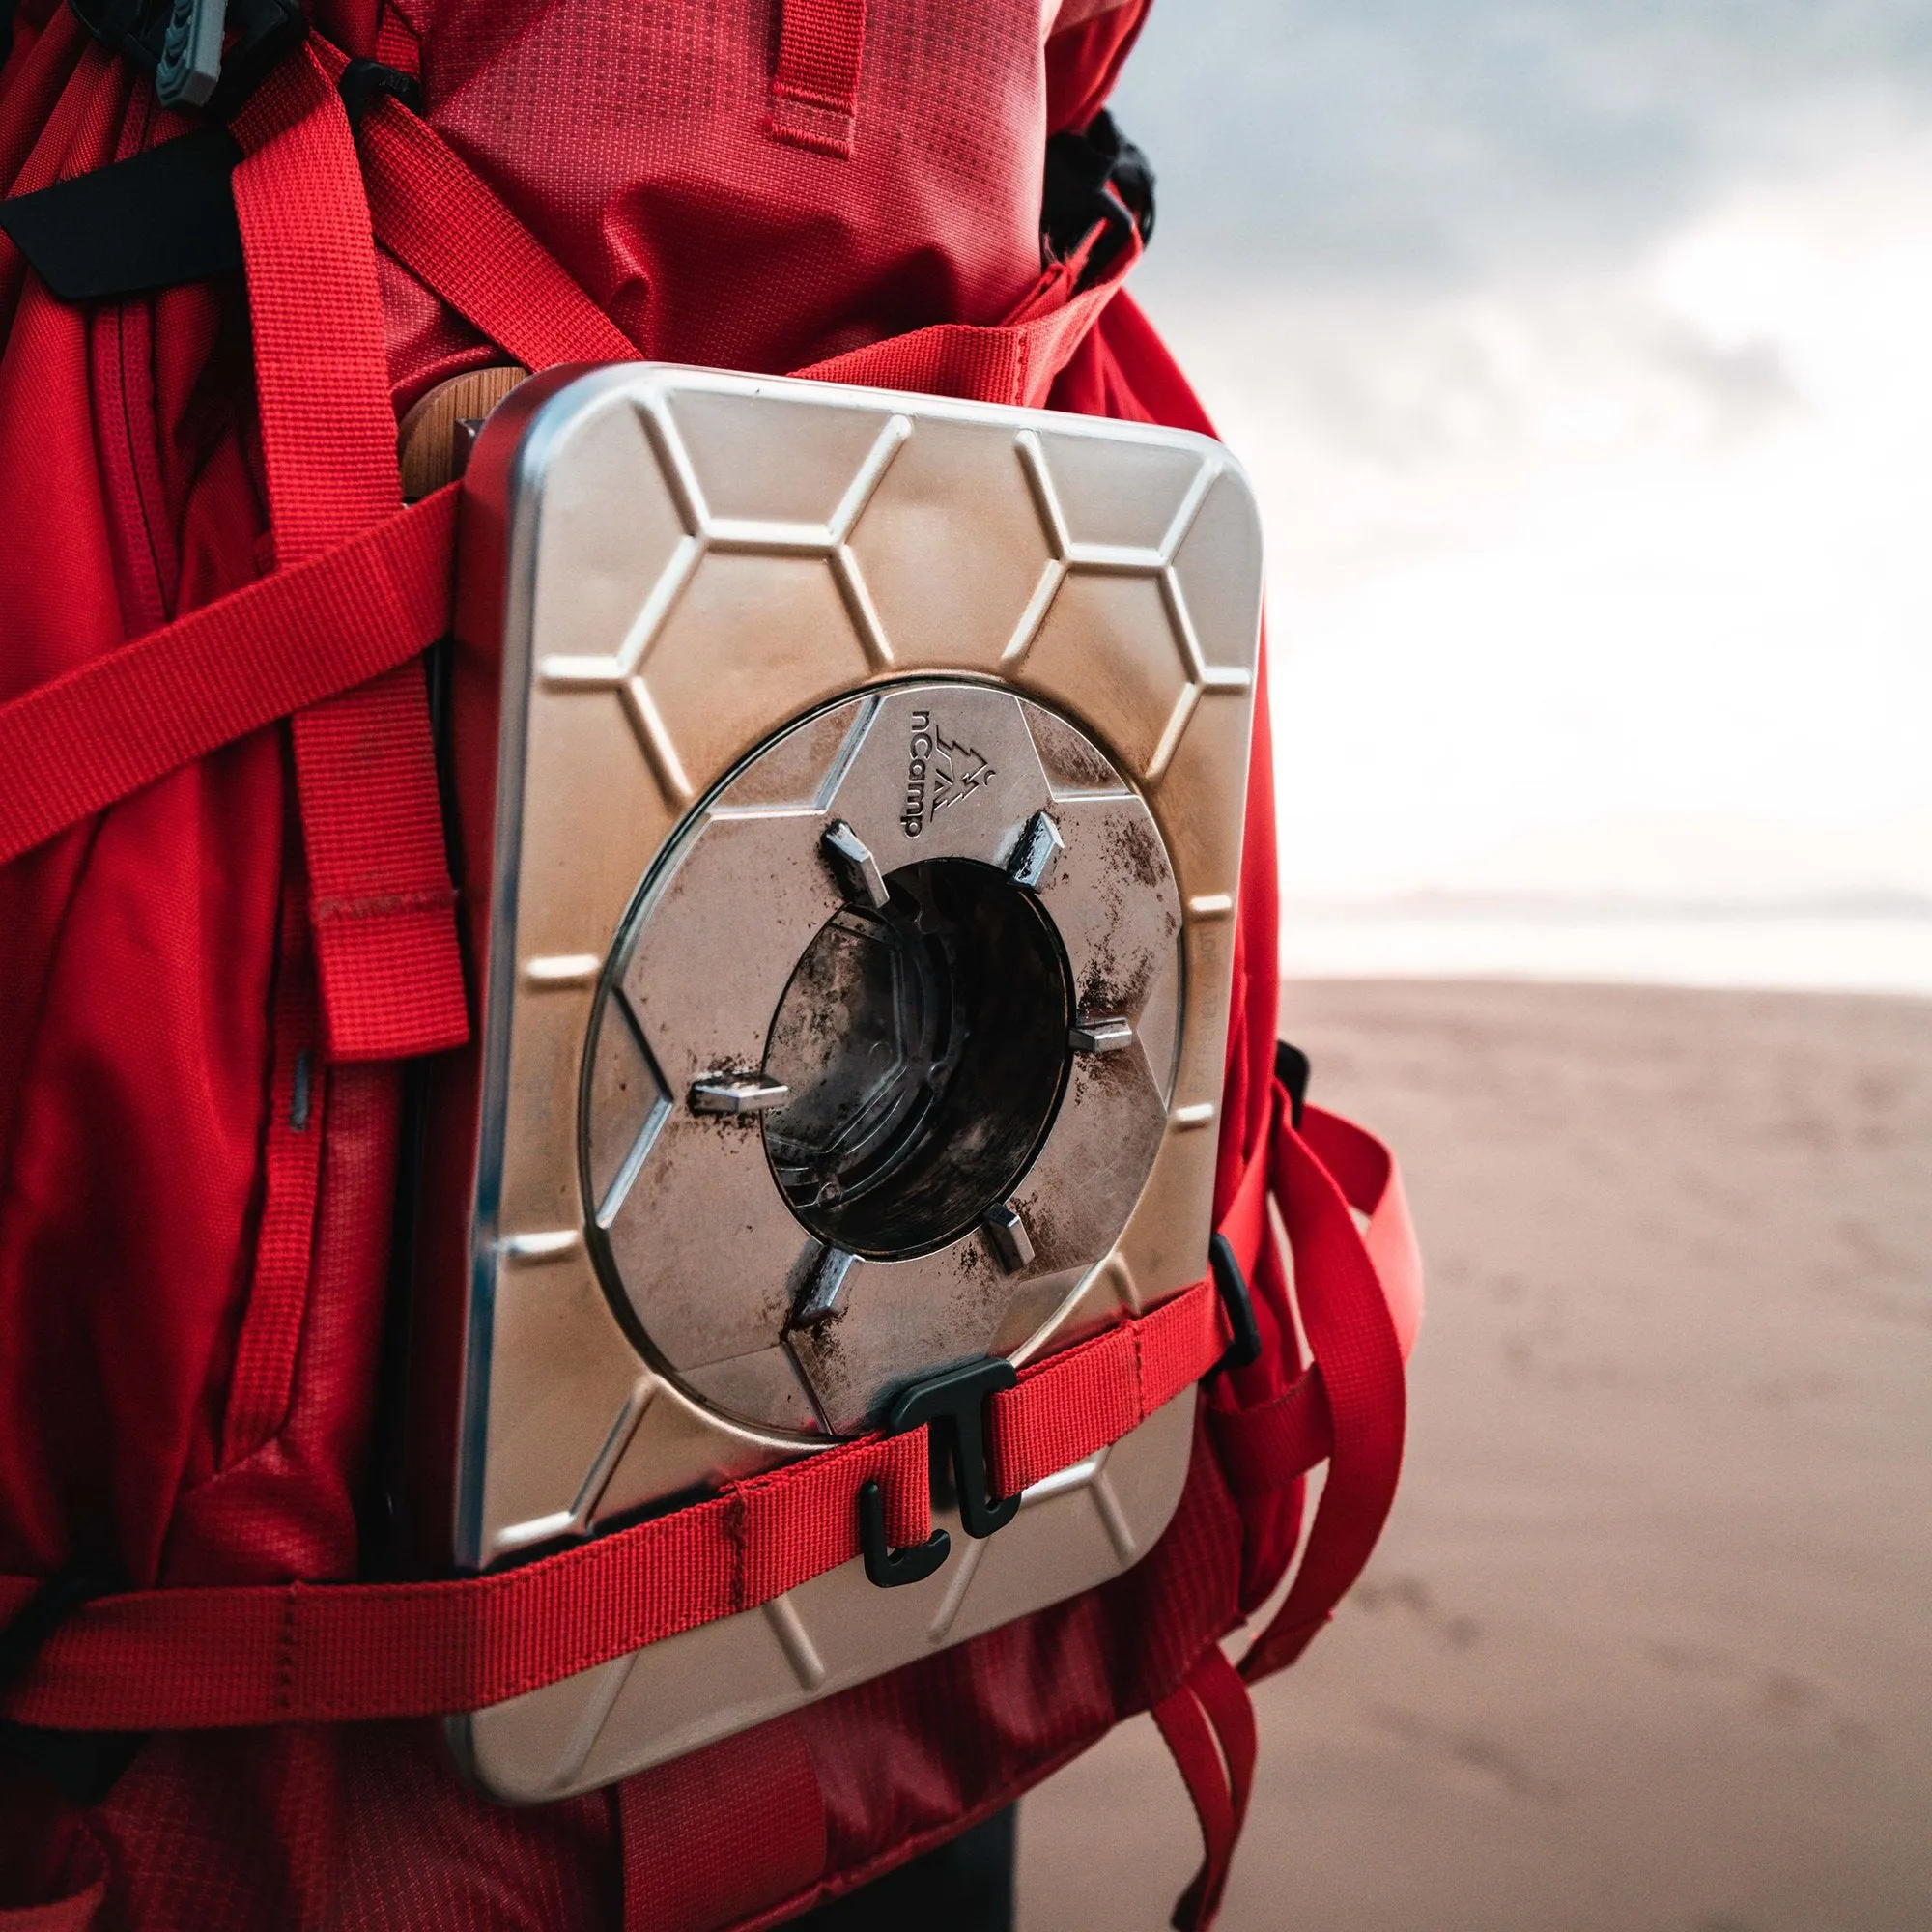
{"x":886,"y":1566}
{"x":82,"y":1764}
{"x":953,"y":1406}
{"x":1292,"y":1067}
{"x":211,"y":53}
{"x":1237,"y":1303}
{"x":363,"y":80}
{"x":1094,"y":177}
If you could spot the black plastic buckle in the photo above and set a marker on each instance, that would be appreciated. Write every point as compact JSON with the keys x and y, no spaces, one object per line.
{"x":83,"y":1765}
{"x":1237,"y":1303}
{"x":363,"y":80}
{"x":953,"y":1406}
{"x":1292,"y":1067}
{"x":257,"y":36}
{"x":1097,"y":176}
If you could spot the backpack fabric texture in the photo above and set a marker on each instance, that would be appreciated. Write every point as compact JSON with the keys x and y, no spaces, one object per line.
{"x":209,"y":989}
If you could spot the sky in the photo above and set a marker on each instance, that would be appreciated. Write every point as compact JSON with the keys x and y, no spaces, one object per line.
{"x":1581,"y":355}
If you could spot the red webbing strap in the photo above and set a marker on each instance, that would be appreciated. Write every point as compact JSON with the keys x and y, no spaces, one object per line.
{"x":1269,"y":1447}
{"x":1273,"y":1443}
{"x":450,"y":229}
{"x":1068,"y":1405}
{"x":382,"y":907}
{"x":319,"y":626}
{"x":1366,"y":1173}
{"x":195,"y":1659}
{"x":191,"y":1658}
{"x":1344,"y":1311}
{"x":1014,"y":363}
{"x":201,"y":1658}
{"x":815,"y":99}
{"x":73,"y":746}
{"x":1120,"y":1377}
{"x":1209,"y":1726}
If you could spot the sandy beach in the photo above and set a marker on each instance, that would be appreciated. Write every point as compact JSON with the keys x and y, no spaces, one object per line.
{"x":1647,"y":1646}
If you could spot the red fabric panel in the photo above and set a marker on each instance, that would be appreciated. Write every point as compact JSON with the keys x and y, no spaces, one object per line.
{"x":35,"y":73}
{"x":384,"y":909}
{"x":722,"y":1833}
{"x":135,"y":955}
{"x":364,"y":1828}
{"x":289,"y":1509}
{"x":81,"y":741}
{"x":632,"y":142}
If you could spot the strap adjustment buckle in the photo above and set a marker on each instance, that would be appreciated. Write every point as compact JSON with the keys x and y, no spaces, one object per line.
{"x":1237,"y":1303}
{"x":953,"y":1407}
{"x":363,"y":80}
{"x":203,"y":53}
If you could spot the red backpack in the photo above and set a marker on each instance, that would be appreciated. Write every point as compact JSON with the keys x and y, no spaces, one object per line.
{"x":228,"y":933}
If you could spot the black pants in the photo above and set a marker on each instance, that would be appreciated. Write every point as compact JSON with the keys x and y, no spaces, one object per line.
{"x":966,"y":1885}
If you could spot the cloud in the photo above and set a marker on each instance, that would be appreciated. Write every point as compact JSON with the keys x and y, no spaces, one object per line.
{"x":1439,"y":143}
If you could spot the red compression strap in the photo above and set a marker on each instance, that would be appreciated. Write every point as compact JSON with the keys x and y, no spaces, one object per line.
{"x":1366,"y":1173}
{"x":71,"y":747}
{"x":1209,"y":1726}
{"x":1351,"y":1332}
{"x":199,"y":1659}
{"x":383,"y":908}
{"x":445,"y":223}
{"x":194,"y":1658}
{"x":81,"y":742}
{"x":1269,"y":1447}
{"x":1015,"y":361}
{"x":190,"y":1658}
{"x":1068,"y":1405}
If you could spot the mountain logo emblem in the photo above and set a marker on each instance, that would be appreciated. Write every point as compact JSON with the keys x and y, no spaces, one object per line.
{"x":957,"y":771}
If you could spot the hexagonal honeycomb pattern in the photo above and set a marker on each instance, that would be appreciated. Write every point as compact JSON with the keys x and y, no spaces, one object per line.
{"x":833,"y":550}
{"x":1072,"y":520}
